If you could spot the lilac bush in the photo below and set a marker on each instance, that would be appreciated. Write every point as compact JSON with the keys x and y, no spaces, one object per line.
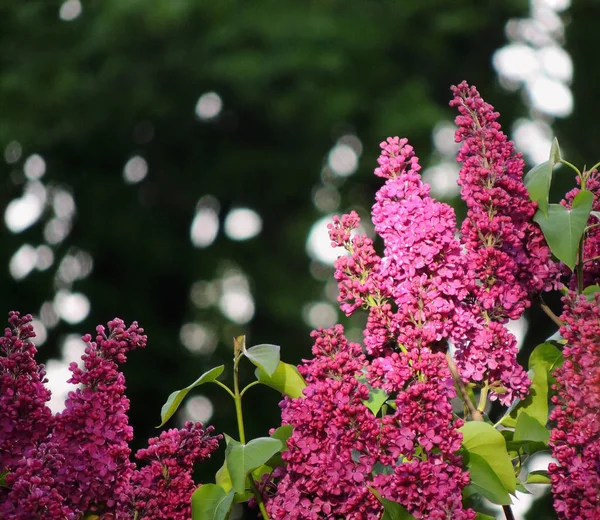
{"x":367,"y":431}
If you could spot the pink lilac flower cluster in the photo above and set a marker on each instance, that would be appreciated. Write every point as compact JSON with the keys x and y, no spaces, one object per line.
{"x":322,"y":479}
{"x":23,"y":396}
{"x":419,"y":294}
{"x":164,"y":486}
{"x":339,"y":449}
{"x":575,"y":439}
{"x":420,"y":439}
{"x":78,"y":462}
{"x":508,"y":260}
{"x":93,"y":431}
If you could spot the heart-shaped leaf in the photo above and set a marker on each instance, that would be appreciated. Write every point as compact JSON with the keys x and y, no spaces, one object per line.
{"x":377,"y":396}
{"x":286,"y":379}
{"x":283,"y":433}
{"x":484,"y":480}
{"x":243,"y":458}
{"x":265,"y":357}
{"x":211,"y":502}
{"x":484,"y":441}
{"x":529,"y":429}
{"x":544,"y":359}
{"x":563,"y":228}
{"x":175,"y":399}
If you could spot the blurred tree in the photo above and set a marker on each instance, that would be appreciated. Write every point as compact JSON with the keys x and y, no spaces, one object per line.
{"x":108,"y":80}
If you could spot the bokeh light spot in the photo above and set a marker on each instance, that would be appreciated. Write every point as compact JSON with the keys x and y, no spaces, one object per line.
{"x":13,"y":152}
{"x":34,"y":167}
{"x":242,"y":224}
{"x":209,"y":106}
{"x":45,"y":257}
{"x":71,"y":307}
{"x":70,"y":10}
{"x":320,"y":314}
{"x":25,"y":211}
{"x":23,"y":261}
{"x":343,"y":160}
{"x":551,"y":96}
{"x":198,"y":408}
{"x":198,"y":338}
{"x":135,"y":170}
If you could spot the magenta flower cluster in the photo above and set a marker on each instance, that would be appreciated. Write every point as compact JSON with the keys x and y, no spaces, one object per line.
{"x":429,"y":289}
{"x":339,"y":449}
{"x":575,"y":439}
{"x":78,"y":462}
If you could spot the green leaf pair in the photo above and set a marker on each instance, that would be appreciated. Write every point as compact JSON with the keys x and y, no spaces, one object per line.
{"x":270,"y":371}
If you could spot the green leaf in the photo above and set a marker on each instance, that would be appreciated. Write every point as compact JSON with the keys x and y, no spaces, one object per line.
{"x":537,"y":181}
{"x":243,"y":458}
{"x":223,"y":478}
{"x":485,"y":481}
{"x":380,"y":469}
{"x":483,"y":516}
{"x":590,"y":291}
{"x":522,"y":489}
{"x":555,"y":156}
{"x":211,"y":502}
{"x":563,"y":228}
{"x":175,"y":399}
{"x":3,"y":478}
{"x":377,"y":397}
{"x":483,"y":440}
{"x":547,"y":355}
{"x":538,"y":477}
{"x":392,"y":510}
{"x":265,"y":357}
{"x":528,"y":429}
{"x":544,"y":359}
{"x":286,"y":379}
{"x":283,"y":433}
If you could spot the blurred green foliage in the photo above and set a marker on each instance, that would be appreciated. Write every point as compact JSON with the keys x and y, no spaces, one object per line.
{"x":123,"y":78}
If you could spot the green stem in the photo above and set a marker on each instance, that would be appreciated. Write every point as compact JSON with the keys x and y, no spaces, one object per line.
{"x":224,"y":387}
{"x":573,"y":167}
{"x":254,"y":383}
{"x":259,"y":499}
{"x":237,"y":397}
{"x":550,"y":314}
{"x":483,"y":398}
{"x":473,"y":412}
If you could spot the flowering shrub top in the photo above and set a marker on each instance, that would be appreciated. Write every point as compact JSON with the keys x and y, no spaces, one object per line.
{"x":369,"y":432}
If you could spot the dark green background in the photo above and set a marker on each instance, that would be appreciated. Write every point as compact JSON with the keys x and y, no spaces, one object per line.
{"x":294,"y":77}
